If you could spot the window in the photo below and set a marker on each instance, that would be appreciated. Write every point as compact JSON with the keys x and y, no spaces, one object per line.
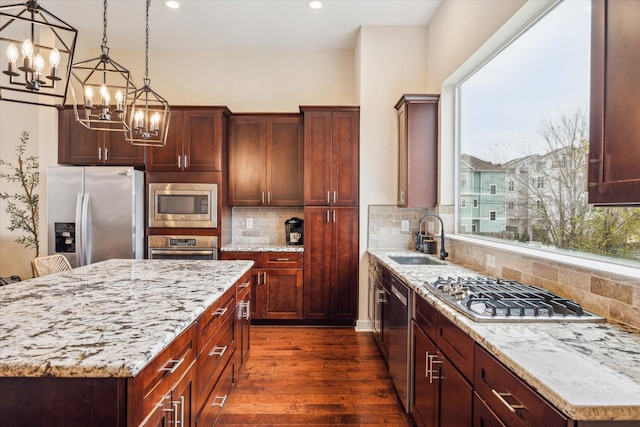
{"x":493,"y":189}
{"x":525,"y":109}
{"x":463,"y":179}
{"x":463,"y":202}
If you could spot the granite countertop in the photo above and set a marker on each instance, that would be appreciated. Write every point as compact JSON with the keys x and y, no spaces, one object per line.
{"x":108,"y":319}
{"x":590,"y":371}
{"x":261,"y":248}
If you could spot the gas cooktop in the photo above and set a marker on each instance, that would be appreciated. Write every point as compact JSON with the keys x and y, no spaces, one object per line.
{"x":486,"y":299}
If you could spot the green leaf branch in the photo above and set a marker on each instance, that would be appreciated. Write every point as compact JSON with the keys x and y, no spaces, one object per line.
{"x":22,"y":207}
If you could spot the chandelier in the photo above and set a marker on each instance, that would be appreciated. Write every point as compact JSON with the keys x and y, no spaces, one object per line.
{"x":28,"y":35}
{"x":100,"y":88}
{"x":149,"y":112}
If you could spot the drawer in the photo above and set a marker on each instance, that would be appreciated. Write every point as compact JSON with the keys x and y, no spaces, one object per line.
{"x":483,"y":416}
{"x":152,"y":384}
{"x":213,"y":358}
{"x":209,"y":412}
{"x":243,"y":287}
{"x":282,"y":260}
{"x":211,"y":320}
{"x":256,"y":257}
{"x":455,"y":344}
{"x":513,"y":401}
{"x":424,"y":314}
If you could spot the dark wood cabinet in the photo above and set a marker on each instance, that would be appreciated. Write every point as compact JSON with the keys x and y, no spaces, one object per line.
{"x":276,"y":293}
{"x":80,"y":146}
{"x":331,"y":156}
{"x":417,"y":151}
{"x":331,"y":263}
{"x":195,"y":141}
{"x":614,"y":145}
{"x":243,"y":319}
{"x":266,"y":160}
{"x":442,"y":370}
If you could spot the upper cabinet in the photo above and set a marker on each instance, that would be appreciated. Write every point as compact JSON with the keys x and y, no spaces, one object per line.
{"x":194,"y":143}
{"x":266,"y":160}
{"x":417,"y":151}
{"x":614,"y":146}
{"x":331,"y":155}
{"x":78,"y":145}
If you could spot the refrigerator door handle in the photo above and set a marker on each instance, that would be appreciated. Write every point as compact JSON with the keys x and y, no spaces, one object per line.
{"x":79,"y":233}
{"x":86,"y":229}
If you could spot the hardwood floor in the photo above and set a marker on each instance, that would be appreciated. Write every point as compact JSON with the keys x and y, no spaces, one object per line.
{"x":313,"y":377}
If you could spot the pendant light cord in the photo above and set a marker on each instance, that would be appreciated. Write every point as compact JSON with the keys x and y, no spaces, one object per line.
{"x":104,"y":25}
{"x":146,"y":47}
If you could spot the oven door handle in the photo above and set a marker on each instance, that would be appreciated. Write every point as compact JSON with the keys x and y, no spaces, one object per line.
{"x":178,"y":252}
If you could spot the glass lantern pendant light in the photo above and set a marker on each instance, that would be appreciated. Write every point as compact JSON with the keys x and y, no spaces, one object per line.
{"x":149,"y":112}
{"x":100,"y":88}
{"x":28,"y":35}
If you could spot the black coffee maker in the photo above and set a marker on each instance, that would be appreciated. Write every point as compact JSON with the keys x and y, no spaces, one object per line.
{"x":294,"y":231}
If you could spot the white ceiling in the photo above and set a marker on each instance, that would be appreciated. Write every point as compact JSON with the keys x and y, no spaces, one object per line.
{"x":235,"y":24}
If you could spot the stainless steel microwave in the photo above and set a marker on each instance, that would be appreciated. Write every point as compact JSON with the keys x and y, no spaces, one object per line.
{"x":183,"y":205}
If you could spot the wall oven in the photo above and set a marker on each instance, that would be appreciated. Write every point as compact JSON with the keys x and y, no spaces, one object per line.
{"x":183,"y":247}
{"x":183,"y":205}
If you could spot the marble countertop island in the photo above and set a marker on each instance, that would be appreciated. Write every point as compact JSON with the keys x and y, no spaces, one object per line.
{"x":244,"y":247}
{"x":108,"y":319}
{"x":590,"y":371}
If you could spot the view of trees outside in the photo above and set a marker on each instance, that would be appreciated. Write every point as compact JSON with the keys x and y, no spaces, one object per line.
{"x":529,"y":186}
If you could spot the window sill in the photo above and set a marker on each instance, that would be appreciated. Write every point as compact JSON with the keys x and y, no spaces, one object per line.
{"x":587,"y":262}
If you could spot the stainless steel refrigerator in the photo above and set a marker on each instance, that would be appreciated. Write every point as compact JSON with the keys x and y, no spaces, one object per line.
{"x":95,"y":213}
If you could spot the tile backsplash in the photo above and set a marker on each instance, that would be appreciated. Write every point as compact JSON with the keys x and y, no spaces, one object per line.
{"x":267,"y":225}
{"x":385,"y":226}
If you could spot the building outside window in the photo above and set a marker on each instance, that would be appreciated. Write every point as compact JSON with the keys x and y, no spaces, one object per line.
{"x":537,"y":124}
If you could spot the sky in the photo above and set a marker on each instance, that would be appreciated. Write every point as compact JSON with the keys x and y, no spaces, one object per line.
{"x":543,"y":74}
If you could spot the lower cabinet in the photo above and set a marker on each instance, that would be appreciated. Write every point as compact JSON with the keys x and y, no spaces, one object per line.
{"x":276,"y":293}
{"x":243,"y":320}
{"x":442,"y":395}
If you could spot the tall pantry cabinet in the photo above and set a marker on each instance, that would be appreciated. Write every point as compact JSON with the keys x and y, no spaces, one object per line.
{"x":331,"y":147}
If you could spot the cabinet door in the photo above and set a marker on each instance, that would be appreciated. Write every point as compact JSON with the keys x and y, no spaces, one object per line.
{"x":183,"y":400}
{"x":280,"y":295}
{"x":317,"y":263}
{"x":613,"y":174}
{"x":345,"y":160}
{"x":344,"y":259}
{"x":202,"y":132}
{"x":456,"y":395}
{"x":424,"y":388}
{"x":118,"y":152}
{"x":285,"y":162}
{"x":247,"y":153}
{"x":77,"y":145}
{"x":317,"y":158}
{"x":166,"y":158}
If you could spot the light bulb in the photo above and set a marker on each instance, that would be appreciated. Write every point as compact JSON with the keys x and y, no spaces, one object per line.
{"x":104,"y":94}
{"x":54,"y":57}
{"x":88,"y":95}
{"x":155,"y":120}
{"x":119,"y":98}
{"x":12,"y":53}
{"x":39,"y":63}
{"x":139,"y":119}
{"x":27,"y":48}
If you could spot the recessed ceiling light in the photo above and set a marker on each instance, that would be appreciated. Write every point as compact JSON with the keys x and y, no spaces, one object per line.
{"x":314,"y":4}
{"x":171,"y":4}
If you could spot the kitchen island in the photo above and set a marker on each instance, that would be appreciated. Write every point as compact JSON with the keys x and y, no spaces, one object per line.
{"x":589,"y":371}
{"x":99,"y":327}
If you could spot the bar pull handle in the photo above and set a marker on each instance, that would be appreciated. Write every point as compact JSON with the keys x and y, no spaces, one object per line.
{"x":99,"y":153}
{"x":106,"y":153}
{"x":263,"y":197}
{"x":186,"y":161}
{"x":282,"y":259}
{"x":328,"y":197}
{"x":501,"y":397}
{"x":268,"y":197}
{"x":175,"y":363}
{"x":218,"y":351}
{"x":219,"y":401}
{"x":334,"y":197}
{"x":244,"y":285}
{"x":219,"y":312}
{"x":179,"y":161}
{"x":334,"y":215}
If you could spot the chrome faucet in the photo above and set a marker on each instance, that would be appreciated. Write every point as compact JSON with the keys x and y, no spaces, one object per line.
{"x":443,"y":252}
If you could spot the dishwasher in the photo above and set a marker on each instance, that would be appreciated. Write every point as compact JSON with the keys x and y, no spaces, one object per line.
{"x":399,"y":302}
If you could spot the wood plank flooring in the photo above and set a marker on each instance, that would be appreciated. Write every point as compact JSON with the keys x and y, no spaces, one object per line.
{"x":313,"y":377}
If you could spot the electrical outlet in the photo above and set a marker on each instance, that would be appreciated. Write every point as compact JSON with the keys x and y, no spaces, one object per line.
{"x":249,"y":222}
{"x":491,"y":261}
{"x":405,"y":225}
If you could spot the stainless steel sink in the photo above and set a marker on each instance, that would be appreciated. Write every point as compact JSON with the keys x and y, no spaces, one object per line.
{"x":415,"y":260}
